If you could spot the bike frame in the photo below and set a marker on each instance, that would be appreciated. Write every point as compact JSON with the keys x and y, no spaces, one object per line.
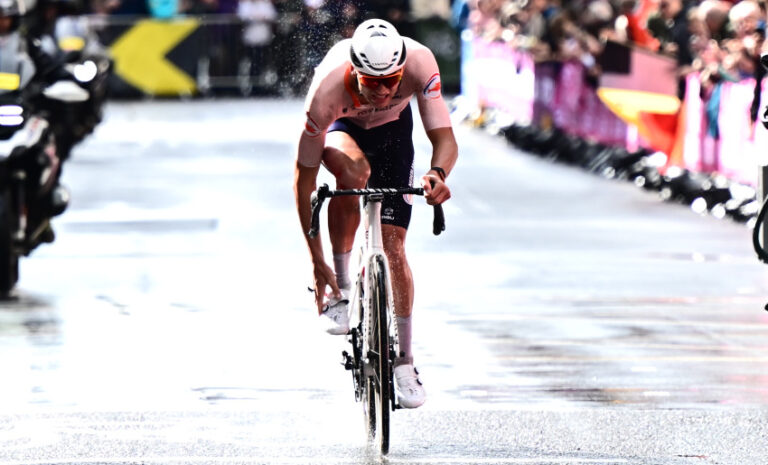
{"x":372,"y":250}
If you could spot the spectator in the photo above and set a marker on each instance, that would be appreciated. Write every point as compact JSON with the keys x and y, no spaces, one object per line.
{"x":670,"y":26}
{"x":745,"y":18}
{"x":290,"y":44}
{"x":394,"y":11}
{"x":635,"y":18}
{"x":715,"y":15}
{"x":460,"y":14}
{"x":348,"y":15}
{"x":535,"y":22}
{"x":163,"y":9}
{"x":749,"y":31}
{"x":258,"y":17}
{"x":699,"y":39}
{"x":484,"y":18}
{"x":426,"y":9}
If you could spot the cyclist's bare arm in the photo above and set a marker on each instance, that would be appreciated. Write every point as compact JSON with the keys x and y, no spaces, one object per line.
{"x":445,"y":151}
{"x":305,"y":179}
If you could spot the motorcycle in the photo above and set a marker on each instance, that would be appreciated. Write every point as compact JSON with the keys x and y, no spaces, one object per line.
{"x":75,"y":44}
{"x":30,"y":161}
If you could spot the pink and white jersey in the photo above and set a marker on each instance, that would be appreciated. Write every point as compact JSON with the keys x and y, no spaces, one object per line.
{"x":332,"y":96}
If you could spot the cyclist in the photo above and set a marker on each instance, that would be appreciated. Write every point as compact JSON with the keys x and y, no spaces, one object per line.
{"x":359,"y":126}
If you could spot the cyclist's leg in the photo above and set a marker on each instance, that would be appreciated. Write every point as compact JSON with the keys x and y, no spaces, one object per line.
{"x":344,"y":159}
{"x":402,"y":278}
{"x":410,"y":389}
{"x":402,"y":288}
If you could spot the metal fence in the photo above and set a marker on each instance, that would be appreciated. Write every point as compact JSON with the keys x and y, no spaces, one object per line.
{"x":206,"y":55}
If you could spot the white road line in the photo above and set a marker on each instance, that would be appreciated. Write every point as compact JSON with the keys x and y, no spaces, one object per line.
{"x":636,"y":359}
{"x":750,"y":326}
{"x":304,"y":460}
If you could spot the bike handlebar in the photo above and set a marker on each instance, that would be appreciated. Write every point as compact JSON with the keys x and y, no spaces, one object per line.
{"x":318,"y":197}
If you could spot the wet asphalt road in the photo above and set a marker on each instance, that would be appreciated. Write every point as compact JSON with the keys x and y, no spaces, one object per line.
{"x":562,"y":318}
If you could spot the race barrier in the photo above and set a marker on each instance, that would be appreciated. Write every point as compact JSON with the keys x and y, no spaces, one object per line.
{"x":177,"y":56}
{"x":634,"y":106}
{"x":169,"y":55}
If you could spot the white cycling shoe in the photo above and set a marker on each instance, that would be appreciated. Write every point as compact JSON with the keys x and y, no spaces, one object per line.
{"x":410,"y":391}
{"x":336,"y":315}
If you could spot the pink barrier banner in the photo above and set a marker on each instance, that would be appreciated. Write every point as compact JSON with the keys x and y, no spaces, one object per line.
{"x":564,"y":97}
{"x":735,"y":147}
{"x":557,"y":94}
{"x":497,"y":76}
{"x":501,"y":77}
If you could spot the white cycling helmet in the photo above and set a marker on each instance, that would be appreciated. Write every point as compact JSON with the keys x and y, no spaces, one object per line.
{"x":377,"y":48}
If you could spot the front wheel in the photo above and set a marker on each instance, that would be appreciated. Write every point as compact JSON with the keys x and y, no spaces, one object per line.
{"x":378,"y":398}
{"x":9,"y":258}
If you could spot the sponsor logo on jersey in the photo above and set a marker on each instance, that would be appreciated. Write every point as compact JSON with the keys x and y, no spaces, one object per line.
{"x":310,"y":127}
{"x":433,"y":87}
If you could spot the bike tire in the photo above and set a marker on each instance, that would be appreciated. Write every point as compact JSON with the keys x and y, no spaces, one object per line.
{"x":9,"y":258}
{"x":364,"y":383}
{"x":383,"y":372}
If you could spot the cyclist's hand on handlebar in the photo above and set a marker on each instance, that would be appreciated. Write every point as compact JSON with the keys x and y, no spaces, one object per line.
{"x":435,"y":190}
{"x":324,"y":277}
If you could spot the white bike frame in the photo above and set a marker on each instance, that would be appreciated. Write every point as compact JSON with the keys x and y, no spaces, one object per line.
{"x":372,"y":249}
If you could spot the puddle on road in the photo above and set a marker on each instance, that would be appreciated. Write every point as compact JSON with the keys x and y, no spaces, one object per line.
{"x":143,"y":226}
{"x":698,"y":257}
{"x":28,"y":316}
{"x":217,"y":395}
{"x":561,"y":360}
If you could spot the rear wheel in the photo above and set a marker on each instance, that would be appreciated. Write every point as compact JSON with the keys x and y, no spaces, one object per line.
{"x":378,"y":396}
{"x":9,"y":259}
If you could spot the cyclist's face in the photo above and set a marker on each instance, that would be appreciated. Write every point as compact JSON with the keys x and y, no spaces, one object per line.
{"x":379,"y":91}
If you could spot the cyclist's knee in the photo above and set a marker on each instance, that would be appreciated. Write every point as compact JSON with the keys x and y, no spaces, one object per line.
{"x":351,"y":172}
{"x":355,"y":176}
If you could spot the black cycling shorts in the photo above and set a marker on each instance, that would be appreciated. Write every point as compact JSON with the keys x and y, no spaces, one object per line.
{"x":389,"y":150}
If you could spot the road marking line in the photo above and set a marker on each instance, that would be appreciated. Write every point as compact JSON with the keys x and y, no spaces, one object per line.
{"x":304,"y":460}
{"x":627,"y":345}
{"x":682,"y":359}
{"x":535,"y":460}
{"x":756,"y":326}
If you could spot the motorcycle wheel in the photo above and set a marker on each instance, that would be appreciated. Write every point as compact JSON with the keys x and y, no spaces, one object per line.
{"x":9,"y":259}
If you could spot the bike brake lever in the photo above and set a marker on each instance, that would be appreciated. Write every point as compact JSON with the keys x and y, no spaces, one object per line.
{"x":438,"y":223}
{"x":316,"y":203}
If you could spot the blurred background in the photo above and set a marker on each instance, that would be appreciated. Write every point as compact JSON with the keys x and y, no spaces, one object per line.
{"x":678,"y":78}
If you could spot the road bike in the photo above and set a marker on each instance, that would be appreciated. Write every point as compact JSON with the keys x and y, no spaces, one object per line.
{"x":373,"y":333}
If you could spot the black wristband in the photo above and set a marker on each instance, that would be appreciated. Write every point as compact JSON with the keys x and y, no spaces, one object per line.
{"x":440,"y":172}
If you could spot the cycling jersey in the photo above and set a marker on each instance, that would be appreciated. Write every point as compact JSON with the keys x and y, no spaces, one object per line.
{"x":332,"y":96}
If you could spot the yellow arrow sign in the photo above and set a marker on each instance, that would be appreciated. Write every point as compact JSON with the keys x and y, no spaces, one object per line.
{"x":139,"y":56}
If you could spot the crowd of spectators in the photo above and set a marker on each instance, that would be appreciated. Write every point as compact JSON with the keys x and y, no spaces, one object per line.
{"x":282,"y":39}
{"x":720,"y":39}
